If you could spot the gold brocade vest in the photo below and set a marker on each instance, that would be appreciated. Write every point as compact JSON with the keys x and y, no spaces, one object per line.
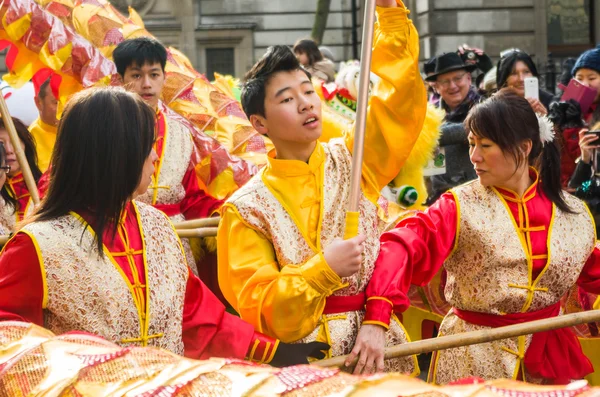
{"x":8,"y":216}
{"x":259,"y":208}
{"x":490,"y":271}
{"x":85,"y":292}
{"x":172,"y":166}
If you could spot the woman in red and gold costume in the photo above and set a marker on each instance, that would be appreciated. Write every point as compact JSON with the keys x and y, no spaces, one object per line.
{"x":512,"y":244}
{"x":92,"y":259}
{"x":16,"y":200}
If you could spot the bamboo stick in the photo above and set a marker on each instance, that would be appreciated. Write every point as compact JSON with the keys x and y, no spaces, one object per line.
{"x":362,"y":101}
{"x":21,"y":158}
{"x":197,"y":223}
{"x":475,"y":337}
{"x":200,"y":232}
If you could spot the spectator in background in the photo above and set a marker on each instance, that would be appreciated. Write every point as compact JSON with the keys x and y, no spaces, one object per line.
{"x":586,"y":71}
{"x":43,"y":129}
{"x":452,"y":79}
{"x":476,"y":56}
{"x":432,"y":94}
{"x":513,"y":68}
{"x":565,"y":77}
{"x":312,"y":60}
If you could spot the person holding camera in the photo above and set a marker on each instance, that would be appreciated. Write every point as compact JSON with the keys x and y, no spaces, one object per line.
{"x":513,"y":68}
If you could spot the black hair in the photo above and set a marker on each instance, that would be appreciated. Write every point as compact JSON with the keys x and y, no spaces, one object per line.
{"x":507,"y":64}
{"x":104,"y":138}
{"x":30,"y":153}
{"x":139,"y":52}
{"x":310,"y":48}
{"x":42,"y":93}
{"x":507,"y":119}
{"x":278,"y":58}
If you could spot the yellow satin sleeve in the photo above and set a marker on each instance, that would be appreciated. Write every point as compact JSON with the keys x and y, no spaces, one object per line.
{"x":284,"y":303}
{"x":398,"y":102}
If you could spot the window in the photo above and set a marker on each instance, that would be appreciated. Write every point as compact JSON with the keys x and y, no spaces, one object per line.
{"x":219,"y":60}
{"x":570,"y":26}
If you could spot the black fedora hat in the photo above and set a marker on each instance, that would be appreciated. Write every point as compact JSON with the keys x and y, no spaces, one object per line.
{"x":449,"y":62}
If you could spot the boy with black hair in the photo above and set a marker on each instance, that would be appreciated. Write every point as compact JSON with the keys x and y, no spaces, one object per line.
{"x":282,"y":263}
{"x":174,"y":190}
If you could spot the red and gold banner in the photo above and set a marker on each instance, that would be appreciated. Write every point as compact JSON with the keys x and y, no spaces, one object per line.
{"x":75,"y":39}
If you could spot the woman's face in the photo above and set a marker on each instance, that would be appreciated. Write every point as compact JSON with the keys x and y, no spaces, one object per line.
{"x":11,"y":156}
{"x":147,"y":172}
{"x":492,"y":166}
{"x":590,"y":78}
{"x":517,"y":77}
{"x":302,"y":58}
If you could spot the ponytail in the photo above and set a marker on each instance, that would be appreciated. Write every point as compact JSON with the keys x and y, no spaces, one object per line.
{"x":550,"y":175}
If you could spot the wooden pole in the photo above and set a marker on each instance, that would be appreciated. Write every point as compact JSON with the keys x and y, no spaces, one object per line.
{"x":16,"y":144}
{"x":360,"y":126}
{"x":475,"y":337}
{"x":197,"y":223}
{"x":201,"y":232}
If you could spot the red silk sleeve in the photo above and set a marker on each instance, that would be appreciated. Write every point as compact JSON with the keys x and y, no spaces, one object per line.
{"x":208,"y":330}
{"x":411,"y":253}
{"x":197,"y":203}
{"x":589,"y":278}
{"x":21,"y":285}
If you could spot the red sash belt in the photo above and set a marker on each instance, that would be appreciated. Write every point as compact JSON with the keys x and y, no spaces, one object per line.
{"x":169,"y":209}
{"x":342,"y":304}
{"x":554,"y":355}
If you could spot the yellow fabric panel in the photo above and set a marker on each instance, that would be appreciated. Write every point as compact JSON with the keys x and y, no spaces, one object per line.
{"x":45,"y":137}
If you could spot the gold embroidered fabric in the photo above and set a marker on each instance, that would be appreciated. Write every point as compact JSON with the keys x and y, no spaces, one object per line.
{"x":89,"y":293}
{"x":259,"y":208}
{"x":8,"y":218}
{"x":177,"y":151}
{"x":490,"y":272}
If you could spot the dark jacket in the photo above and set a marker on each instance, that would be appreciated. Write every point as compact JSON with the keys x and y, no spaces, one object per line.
{"x":546,"y":99}
{"x":453,"y":139}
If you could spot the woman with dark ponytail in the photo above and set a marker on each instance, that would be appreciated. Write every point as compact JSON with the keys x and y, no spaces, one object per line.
{"x":512,"y":244}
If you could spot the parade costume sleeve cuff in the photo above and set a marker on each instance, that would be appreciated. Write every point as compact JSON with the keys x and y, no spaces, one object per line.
{"x":378,"y":311}
{"x":320,"y":276}
{"x":393,"y":19}
{"x":262,"y":348}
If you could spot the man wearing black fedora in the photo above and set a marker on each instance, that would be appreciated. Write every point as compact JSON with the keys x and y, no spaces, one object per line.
{"x":452,"y":80}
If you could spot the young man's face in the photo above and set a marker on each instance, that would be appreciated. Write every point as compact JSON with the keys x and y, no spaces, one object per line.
{"x":47,"y":106}
{"x":292,"y":108}
{"x":147,"y":81}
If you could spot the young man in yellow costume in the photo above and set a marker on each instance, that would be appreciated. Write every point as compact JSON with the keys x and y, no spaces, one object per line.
{"x":282,"y":263}
{"x":175,"y":189}
{"x":43,"y":129}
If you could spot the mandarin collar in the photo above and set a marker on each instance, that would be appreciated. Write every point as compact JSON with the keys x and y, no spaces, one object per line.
{"x":529,"y":193}
{"x":284,"y":168}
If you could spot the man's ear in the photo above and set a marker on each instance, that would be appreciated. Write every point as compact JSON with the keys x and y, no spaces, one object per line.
{"x":259,"y":123}
{"x":120,"y":79}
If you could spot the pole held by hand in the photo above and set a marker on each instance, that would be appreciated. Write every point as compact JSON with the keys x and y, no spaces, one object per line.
{"x":360,"y":126}
{"x":475,"y":337}
{"x":21,"y":158}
